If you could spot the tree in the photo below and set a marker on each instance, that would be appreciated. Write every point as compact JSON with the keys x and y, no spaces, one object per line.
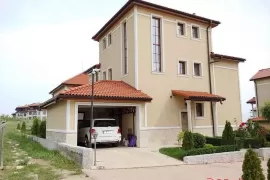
{"x":265,"y":110}
{"x":42,"y":129}
{"x":252,"y":168}
{"x":35,"y":127}
{"x":188,"y":141}
{"x":268,"y":169}
{"x":228,"y":136}
{"x":19,"y":126}
{"x":23,"y":128}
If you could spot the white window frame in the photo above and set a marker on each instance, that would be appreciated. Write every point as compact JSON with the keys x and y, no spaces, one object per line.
{"x":203,"y":110}
{"x":201,"y":69}
{"x":162,"y":46}
{"x":104,"y":39}
{"x":185,"y":29}
{"x":122,"y":47}
{"x":108,"y":73}
{"x":105,"y":75}
{"x":108,"y":44}
{"x":199,"y":32}
{"x":178,"y":64}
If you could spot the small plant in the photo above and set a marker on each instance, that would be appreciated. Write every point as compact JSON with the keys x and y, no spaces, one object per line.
{"x":268,"y":169}
{"x":35,"y":127}
{"x":23,"y":128}
{"x":252,"y":168}
{"x":228,"y":137}
{"x":208,"y":146}
{"x":188,"y":141}
{"x":42,"y":129}
{"x":199,"y":140}
{"x":19,"y":126}
{"x":180,"y":136}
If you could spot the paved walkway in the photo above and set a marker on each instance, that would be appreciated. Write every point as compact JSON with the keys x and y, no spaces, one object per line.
{"x":230,"y":171}
{"x":123,"y":157}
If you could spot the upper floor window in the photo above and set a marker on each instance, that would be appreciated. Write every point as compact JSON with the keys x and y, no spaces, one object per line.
{"x":104,"y":43}
{"x":97,"y":76}
{"x":182,"y":68}
{"x":195,"y":32}
{"x":156,"y":44}
{"x":104,"y":75}
{"x":109,"y":39}
{"x":199,"y":107}
{"x":197,"y":69}
{"x":110,"y":74}
{"x":125,"y":56}
{"x":181,"y":29}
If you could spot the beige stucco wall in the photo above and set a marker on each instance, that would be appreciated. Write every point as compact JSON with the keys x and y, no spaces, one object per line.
{"x":226,"y":84}
{"x":56,"y":116}
{"x":263,"y":91}
{"x":72,"y":115}
{"x":111,"y":57}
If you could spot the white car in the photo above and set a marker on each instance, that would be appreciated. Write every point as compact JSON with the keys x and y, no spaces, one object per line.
{"x":108,"y":132}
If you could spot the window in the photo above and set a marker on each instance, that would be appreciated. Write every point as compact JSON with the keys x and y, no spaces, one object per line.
{"x":197,"y":69}
{"x":97,"y":74}
{"x":199,"y":110}
{"x":125,"y":48}
{"x":109,"y":74}
{"x":157,"y":66}
{"x":181,"y":28}
{"x":109,"y":39}
{"x":182,"y":67}
{"x":44,"y":112}
{"x":104,"y":43}
{"x":104,"y":75}
{"x":195,"y":32}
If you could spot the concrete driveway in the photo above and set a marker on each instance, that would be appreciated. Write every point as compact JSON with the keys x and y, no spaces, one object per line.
{"x":126,"y":157}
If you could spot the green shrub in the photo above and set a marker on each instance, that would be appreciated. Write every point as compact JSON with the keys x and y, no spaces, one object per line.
{"x":265,"y":110}
{"x":180,"y":136}
{"x":188,"y":141}
{"x":267,"y":144}
{"x":208,"y":146}
{"x":228,"y":137}
{"x":35,"y":127}
{"x":210,"y":150}
{"x":42,"y":129}
{"x":268,"y":169}
{"x":215,"y":141}
{"x":23,"y":128}
{"x":19,"y":126}
{"x":242,"y":133}
{"x":253,"y":143}
{"x":199,"y":140}
{"x":252,"y":168}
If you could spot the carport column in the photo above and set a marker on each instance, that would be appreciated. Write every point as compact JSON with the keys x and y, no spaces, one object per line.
{"x":189,"y":115}
{"x":215,"y":119}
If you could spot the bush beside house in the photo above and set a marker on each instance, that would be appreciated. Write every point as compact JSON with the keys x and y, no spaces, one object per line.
{"x":199,"y":140}
{"x":42,"y":129}
{"x":228,"y":137}
{"x":35,"y":127}
{"x":23,"y":128}
{"x":188,"y":141}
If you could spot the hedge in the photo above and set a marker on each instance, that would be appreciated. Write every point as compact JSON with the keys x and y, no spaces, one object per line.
{"x":211,"y":150}
{"x":253,"y":143}
{"x":215,"y":141}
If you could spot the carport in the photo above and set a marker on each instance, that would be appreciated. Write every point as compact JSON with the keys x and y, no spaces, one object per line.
{"x":112,"y":99}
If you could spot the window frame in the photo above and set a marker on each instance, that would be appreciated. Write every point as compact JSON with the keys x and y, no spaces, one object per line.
{"x":201,"y":69}
{"x":186,"y":67}
{"x":104,"y":72}
{"x":104,"y":45}
{"x":162,"y":64}
{"x":110,"y":71}
{"x":199,"y":32}
{"x":109,"y":39}
{"x":124,"y":42}
{"x":97,"y":76}
{"x":203,"y":110}
{"x":185,"y":29}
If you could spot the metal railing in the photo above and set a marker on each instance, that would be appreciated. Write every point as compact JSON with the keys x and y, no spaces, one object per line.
{"x":2,"y":130}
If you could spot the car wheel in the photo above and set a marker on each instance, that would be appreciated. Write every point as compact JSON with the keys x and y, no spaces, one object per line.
{"x":86,"y":142}
{"x":115,"y":144}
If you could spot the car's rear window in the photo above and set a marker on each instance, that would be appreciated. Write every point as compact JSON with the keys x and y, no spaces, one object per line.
{"x":104,"y":123}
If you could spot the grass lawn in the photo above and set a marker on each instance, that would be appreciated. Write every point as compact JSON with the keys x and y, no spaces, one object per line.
{"x":175,"y":152}
{"x":37,"y":160}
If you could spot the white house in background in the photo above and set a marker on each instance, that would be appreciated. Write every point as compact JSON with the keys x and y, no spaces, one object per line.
{"x":30,"y":111}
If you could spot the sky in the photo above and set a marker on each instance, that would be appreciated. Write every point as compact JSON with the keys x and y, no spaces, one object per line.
{"x":43,"y":43}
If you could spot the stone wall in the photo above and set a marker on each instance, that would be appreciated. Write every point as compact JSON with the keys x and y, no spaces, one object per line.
{"x":81,"y":155}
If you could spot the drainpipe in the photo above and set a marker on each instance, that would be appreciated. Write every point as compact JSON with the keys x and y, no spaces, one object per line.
{"x":209,"y":73}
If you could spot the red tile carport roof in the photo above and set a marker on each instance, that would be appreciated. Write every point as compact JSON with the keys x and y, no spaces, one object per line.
{"x":263,"y":73}
{"x":260,"y":118}
{"x":198,"y":95}
{"x":108,"y":89}
{"x":252,"y":101}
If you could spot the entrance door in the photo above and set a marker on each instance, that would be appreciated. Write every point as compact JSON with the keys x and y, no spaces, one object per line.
{"x":184,"y":120}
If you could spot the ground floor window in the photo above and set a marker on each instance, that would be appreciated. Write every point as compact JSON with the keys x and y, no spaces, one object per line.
{"x":199,"y":109}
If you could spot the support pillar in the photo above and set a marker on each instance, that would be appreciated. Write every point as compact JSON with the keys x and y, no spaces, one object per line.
{"x":190,"y":126}
{"x":215,"y":119}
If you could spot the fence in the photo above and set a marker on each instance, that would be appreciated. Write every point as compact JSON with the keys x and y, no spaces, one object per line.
{"x":2,"y":130}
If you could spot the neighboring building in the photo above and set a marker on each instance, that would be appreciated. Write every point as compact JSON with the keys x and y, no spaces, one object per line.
{"x":159,"y":61}
{"x":262,"y":91}
{"x":30,"y":111}
{"x":253,"y":111}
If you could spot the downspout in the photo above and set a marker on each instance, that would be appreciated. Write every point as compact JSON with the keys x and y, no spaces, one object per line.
{"x":209,"y":73}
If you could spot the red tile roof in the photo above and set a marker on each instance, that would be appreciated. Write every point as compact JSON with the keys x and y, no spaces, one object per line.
{"x":198,"y":95}
{"x":263,"y":73}
{"x":79,"y":79}
{"x":260,"y":118}
{"x":252,"y":101}
{"x":108,"y":89}
{"x":226,"y":57}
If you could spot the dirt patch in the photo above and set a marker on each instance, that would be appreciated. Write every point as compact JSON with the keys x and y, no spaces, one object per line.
{"x":39,"y":161}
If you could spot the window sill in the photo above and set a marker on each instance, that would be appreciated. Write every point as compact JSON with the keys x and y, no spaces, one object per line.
{"x":181,"y":36}
{"x":183,"y":75}
{"x":198,"y":77}
{"x":158,"y":73}
{"x":125,"y":75}
{"x":196,"y":39}
{"x":199,"y":118}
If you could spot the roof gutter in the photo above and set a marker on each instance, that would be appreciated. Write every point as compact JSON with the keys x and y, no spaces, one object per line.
{"x":210,"y":76}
